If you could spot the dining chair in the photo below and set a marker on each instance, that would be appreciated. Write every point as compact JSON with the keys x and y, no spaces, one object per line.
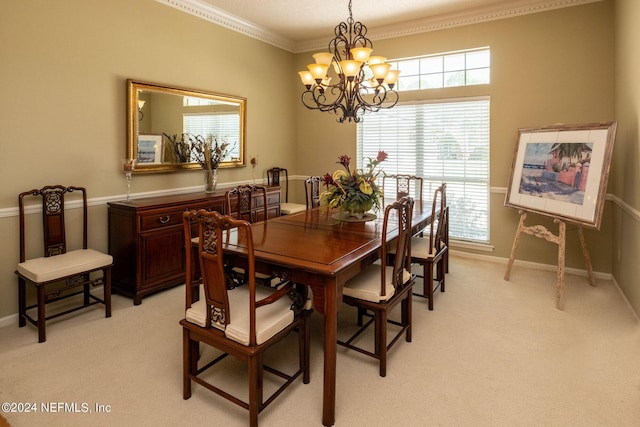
{"x":312,"y":191}
{"x":241,"y":204}
{"x":242,"y":322}
{"x":404,"y":185}
{"x":274,"y":177}
{"x":60,"y":273}
{"x":248,"y":202}
{"x":432,"y":250}
{"x":381,"y":286}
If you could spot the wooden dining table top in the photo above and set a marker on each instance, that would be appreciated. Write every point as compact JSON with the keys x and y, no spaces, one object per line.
{"x":316,"y":248}
{"x":315,"y":240}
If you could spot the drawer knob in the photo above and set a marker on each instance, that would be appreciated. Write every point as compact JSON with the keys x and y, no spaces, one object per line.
{"x":164,"y":219}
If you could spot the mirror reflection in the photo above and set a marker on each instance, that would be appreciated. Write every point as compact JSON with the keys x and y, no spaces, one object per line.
{"x":162,"y":121}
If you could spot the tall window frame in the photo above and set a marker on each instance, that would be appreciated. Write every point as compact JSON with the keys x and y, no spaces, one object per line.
{"x":461,"y":68}
{"x":441,"y":141}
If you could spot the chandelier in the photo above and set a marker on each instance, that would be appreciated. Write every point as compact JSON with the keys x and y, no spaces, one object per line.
{"x":364,"y":82}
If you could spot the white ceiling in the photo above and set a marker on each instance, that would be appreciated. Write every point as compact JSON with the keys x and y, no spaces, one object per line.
{"x":300,"y":25}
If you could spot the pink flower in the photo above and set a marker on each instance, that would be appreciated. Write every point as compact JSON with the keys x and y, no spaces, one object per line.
{"x":328,"y":179}
{"x":344,"y":160}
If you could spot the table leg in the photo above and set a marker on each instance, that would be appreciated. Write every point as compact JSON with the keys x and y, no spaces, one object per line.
{"x":330,"y":352}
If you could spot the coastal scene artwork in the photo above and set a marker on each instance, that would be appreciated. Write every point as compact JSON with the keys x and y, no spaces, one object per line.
{"x":558,"y":171}
{"x":561,"y":171}
{"x":149,"y":149}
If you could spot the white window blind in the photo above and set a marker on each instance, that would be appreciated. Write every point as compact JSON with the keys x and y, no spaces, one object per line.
{"x":225,"y":127}
{"x":441,"y":142}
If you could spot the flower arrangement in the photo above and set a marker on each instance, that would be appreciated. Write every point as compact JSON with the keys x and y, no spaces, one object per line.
{"x":353,"y":191}
{"x":206,"y":151}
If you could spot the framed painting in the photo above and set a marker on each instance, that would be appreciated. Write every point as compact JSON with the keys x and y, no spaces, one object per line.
{"x":150,"y":149}
{"x":562,"y":171}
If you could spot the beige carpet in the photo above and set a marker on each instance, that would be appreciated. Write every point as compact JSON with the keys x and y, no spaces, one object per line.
{"x":492,"y":353}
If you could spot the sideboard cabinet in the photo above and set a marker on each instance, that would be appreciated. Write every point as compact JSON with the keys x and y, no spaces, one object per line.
{"x":146,"y":238}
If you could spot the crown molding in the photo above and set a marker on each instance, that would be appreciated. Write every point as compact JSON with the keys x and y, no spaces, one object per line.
{"x":218,"y":16}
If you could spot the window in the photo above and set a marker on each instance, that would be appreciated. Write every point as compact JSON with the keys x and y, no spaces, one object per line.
{"x":442,"y":142}
{"x":445,"y":70}
{"x":227,"y":126}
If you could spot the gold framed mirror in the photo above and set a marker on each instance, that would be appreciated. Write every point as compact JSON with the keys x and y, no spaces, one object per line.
{"x":158,"y":117}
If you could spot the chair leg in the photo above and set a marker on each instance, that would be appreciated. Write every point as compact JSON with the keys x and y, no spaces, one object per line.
{"x":442,"y":269}
{"x":407,"y":307}
{"x":255,"y":388}
{"x":106,"y":278}
{"x":305,"y":349}
{"x":42,"y":335}
{"x":22,"y":302}
{"x":446,"y":261}
{"x":189,"y":362}
{"x":381,"y":340}
{"x":86,"y":293}
{"x":428,"y":283}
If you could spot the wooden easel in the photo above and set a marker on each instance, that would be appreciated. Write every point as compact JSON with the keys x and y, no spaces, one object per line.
{"x":541,"y":232}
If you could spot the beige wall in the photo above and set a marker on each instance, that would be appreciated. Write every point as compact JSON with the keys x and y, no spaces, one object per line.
{"x":546,"y":68}
{"x":65,"y":65}
{"x":62,"y":109}
{"x":625,"y":172}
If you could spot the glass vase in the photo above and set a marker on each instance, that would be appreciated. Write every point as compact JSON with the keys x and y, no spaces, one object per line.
{"x":128,"y":166}
{"x":210,"y":180}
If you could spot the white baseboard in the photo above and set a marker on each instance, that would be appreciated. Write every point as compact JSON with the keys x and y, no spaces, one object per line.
{"x":534,"y":265}
{"x":548,"y":267}
{"x":11,"y":319}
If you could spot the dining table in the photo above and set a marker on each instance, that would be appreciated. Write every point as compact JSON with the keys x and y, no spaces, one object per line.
{"x":321,"y":249}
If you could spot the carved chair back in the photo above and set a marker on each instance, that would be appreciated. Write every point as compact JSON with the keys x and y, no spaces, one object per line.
{"x":247,"y":202}
{"x":312,"y":191}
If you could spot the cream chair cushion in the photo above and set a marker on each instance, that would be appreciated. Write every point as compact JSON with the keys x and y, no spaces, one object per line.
{"x":366,"y":285}
{"x":45,"y":269}
{"x":291,"y":208}
{"x":420,"y":247}
{"x":270,"y":319}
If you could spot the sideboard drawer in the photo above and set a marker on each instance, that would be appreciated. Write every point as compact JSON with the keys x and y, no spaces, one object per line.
{"x":162,"y":219}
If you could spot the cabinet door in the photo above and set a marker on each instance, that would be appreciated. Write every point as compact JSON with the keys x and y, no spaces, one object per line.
{"x":162,"y":256}
{"x":273,"y":202}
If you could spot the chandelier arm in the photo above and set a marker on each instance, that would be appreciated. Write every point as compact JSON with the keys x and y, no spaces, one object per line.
{"x":360,"y":35}
{"x":319,"y":99}
{"x":339,"y":45}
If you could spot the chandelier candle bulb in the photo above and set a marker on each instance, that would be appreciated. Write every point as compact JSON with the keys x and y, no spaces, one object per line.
{"x":361,"y":53}
{"x":323,"y":58}
{"x":392,"y":78}
{"x":350,"y":68}
{"x":377,"y":60}
{"x":307,"y":78}
{"x":380,"y":71}
{"x":318,"y":71}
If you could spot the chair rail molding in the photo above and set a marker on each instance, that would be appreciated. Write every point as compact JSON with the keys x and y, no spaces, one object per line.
{"x":102,"y":201}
